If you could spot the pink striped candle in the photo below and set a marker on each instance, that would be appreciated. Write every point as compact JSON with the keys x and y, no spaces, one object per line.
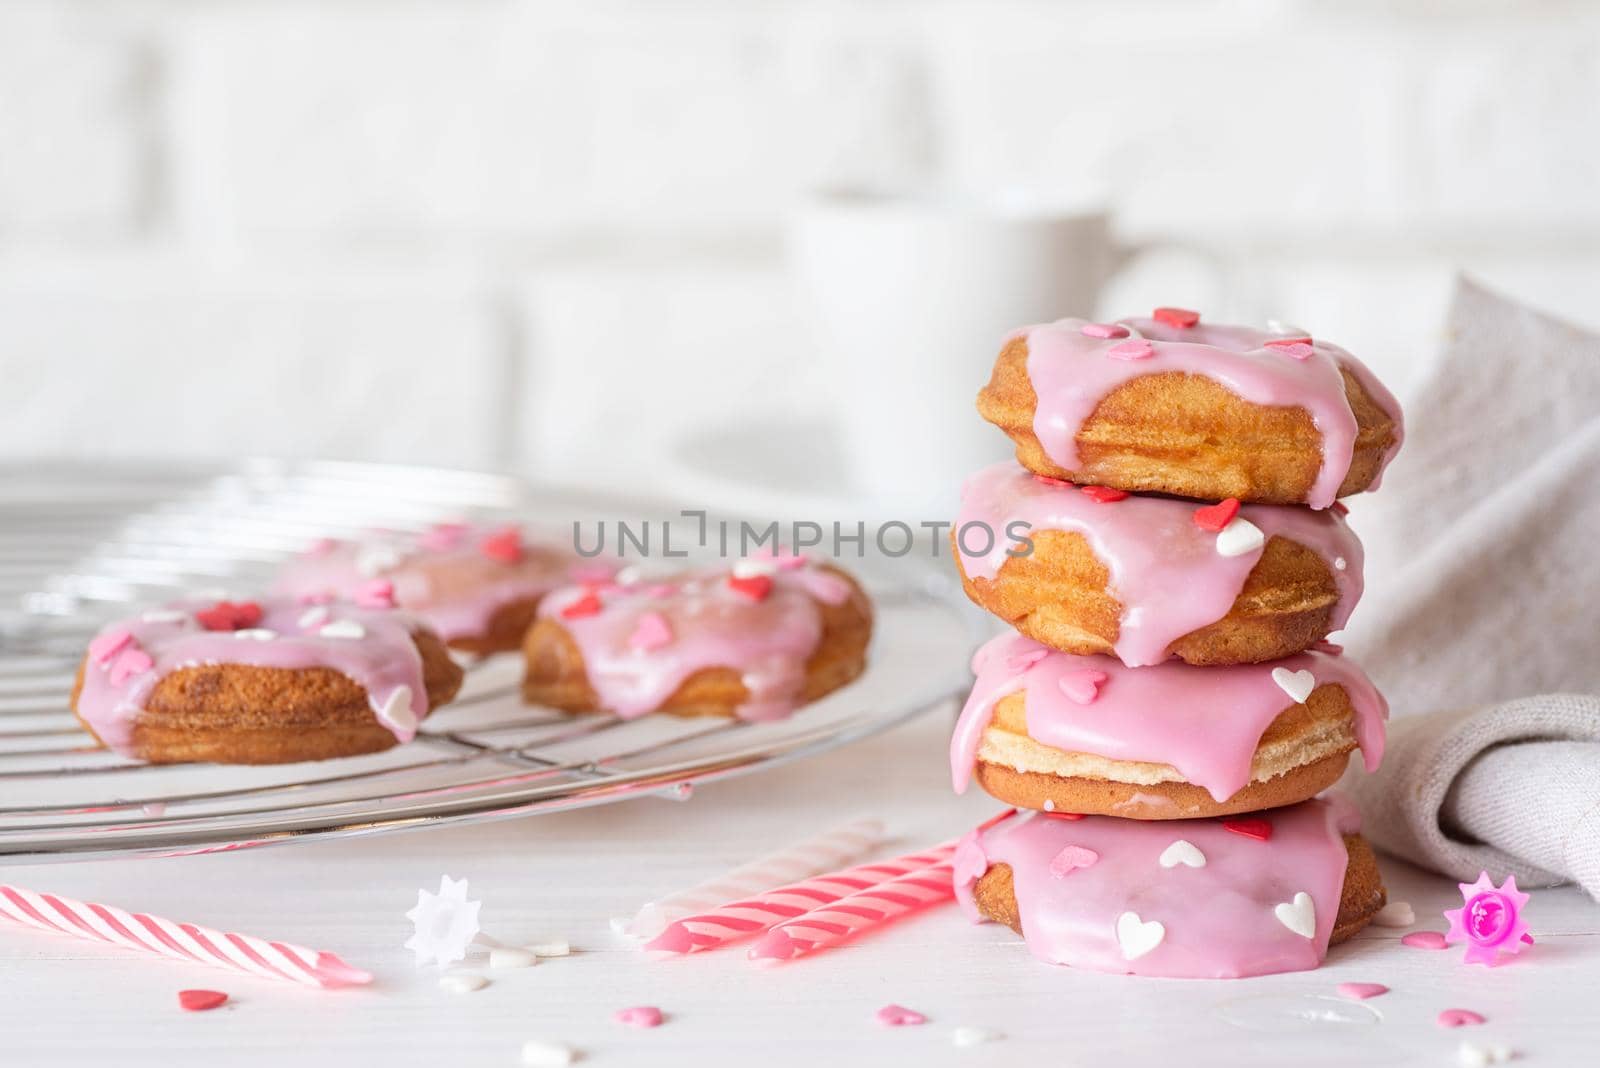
{"x":177,"y":941}
{"x":752,"y":915}
{"x":849,"y":916}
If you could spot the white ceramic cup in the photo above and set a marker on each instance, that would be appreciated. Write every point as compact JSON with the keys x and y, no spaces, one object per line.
{"x":910,"y":300}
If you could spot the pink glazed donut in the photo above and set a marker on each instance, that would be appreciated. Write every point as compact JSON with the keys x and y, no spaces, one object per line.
{"x":1172,"y":405}
{"x":1192,"y":900}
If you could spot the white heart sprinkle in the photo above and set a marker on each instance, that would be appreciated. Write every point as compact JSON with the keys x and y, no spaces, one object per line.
{"x":312,"y":618}
{"x":1275,"y":326}
{"x":1138,"y":937}
{"x":343,"y":628}
{"x":537,"y":1053}
{"x":1297,"y":684}
{"x":1049,"y":805}
{"x":165,"y":615}
{"x":1239,"y":537}
{"x":967,"y":1037}
{"x":511,"y":957}
{"x":622,"y":927}
{"x":256,"y":634}
{"x":463,"y":982}
{"x":396,"y":713}
{"x":555,"y":947}
{"x":1340,"y":562}
{"x":1395,"y":914}
{"x":373,"y":560}
{"x":1299,"y":915}
{"x":1183,"y":852}
{"x":750,"y":568}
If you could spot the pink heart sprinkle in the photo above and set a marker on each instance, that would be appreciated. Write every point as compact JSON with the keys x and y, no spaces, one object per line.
{"x":1071,"y":859}
{"x":1104,"y":330}
{"x":1134,"y":349}
{"x":130,"y":662}
{"x":651,"y":632}
{"x":1424,"y":940}
{"x":1023,"y":661}
{"x":1361,"y":991}
{"x":1459,"y":1018}
{"x":900,"y":1016}
{"x":639,"y":1016}
{"x":1297,"y":349}
{"x":1082,"y":686}
{"x":109,"y":644}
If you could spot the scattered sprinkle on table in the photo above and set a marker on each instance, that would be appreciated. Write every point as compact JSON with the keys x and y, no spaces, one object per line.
{"x":1424,"y":940}
{"x":966,"y":1037}
{"x":201,"y":1000}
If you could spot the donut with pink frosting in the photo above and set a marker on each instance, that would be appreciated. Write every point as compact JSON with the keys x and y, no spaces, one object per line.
{"x":1094,"y":571}
{"x":1171,"y":404}
{"x":1199,"y":899}
{"x":476,"y":585}
{"x":1049,"y":730}
{"x":261,"y":682}
{"x":754,"y":641}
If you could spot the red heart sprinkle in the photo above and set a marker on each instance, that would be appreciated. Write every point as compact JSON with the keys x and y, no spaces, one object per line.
{"x":755,"y":587}
{"x":1103,"y":494}
{"x":1176,"y":316}
{"x":587,"y":605}
{"x":1258,"y":829}
{"x":1340,"y":508}
{"x":1285,"y":342}
{"x":226,"y":615}
{"x":1048,"y":481}
{"x":1064,"y":815}
{"x":503,"y":545}
{"x":201,"y":1000}
{"x":1214,"y":517}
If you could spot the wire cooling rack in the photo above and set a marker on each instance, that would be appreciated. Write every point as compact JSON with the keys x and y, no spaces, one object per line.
{"x":81,"y":546}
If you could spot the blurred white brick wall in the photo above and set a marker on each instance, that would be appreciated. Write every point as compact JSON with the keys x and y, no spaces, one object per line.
{"x":548,"y":235}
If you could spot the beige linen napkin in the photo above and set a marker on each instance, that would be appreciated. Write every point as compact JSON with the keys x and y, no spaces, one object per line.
{"x":1483,"y":591}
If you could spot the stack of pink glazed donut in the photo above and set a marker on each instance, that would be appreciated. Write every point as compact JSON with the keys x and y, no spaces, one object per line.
{"x":1171,"y":552}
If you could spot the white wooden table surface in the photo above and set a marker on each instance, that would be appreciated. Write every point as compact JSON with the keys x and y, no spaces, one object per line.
{"x":68,"y":1002}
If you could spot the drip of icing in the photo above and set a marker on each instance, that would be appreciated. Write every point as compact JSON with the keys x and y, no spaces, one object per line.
{"x":1165,"y":570}
{"x":1071,"y":374}
{"x":709,"y":623}
{"x":372,"y":646}
{"x":454,"y":576}
{"x":1218,"y":921}
{"x":1204,"y":722}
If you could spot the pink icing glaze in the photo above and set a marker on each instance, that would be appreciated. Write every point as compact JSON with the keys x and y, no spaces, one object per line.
{"x":443,"y":574}
{"x":1165,"y":570}
{"x":1219,"y":920}
{"x":1072,"y":371}
{"x":1205,"y":722}
{"x":706,"y":623}
{"x":384,"y":660}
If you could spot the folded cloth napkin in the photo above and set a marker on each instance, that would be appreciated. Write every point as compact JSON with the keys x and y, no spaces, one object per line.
{"x":1483,"y":591}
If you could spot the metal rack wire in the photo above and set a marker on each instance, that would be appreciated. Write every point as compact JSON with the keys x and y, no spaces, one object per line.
{"x":78,"y":547}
